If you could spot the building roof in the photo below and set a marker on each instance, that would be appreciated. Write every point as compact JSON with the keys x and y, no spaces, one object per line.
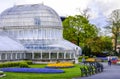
{"x":7,"y":44}
{"x":30,"y":15}
{"x":66,"y":45}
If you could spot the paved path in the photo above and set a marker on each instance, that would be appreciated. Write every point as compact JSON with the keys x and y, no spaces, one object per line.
{"x":110,"y":72}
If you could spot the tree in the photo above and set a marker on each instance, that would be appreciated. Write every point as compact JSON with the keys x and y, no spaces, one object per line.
{"x":98,"y":45}
{"x":114,"y":21}
{"x":68,"y":30}
{"x":77,"y":29}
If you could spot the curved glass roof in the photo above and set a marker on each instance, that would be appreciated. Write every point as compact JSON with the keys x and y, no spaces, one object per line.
{"x":7,"y":44}
{"x":30,"y":15}
{"x":59,"y":45}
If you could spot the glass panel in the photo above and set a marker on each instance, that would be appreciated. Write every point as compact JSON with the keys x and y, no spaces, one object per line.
{"x":3,"y":56}
{"x":28,"y":55}
{"x":68,"y":55}
{"x":8,"y":56}
{"x":37,"y":21}
{"x":72,"y":55}
{"x":37,"y":55}
{"x":22,"y":55}
{"x":14,"y":56}
{"x":53,"y":55}
{"x":45,"y":55}
{"x":18,"y":55}
{"x":61,"y":55}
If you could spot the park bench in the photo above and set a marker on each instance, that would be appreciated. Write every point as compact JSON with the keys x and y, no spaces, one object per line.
{"x":98,"y":66}
{"x":91,"y":68}
{"x":84,"y":71}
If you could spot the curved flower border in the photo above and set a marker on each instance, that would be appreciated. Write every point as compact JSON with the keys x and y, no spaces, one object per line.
{"x":32,"y":70}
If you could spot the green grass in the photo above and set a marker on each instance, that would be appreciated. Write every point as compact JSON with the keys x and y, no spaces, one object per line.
{"x":68,"y":74}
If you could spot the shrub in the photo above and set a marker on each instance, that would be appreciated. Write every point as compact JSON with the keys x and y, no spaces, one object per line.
{"x":80,"y":58}
{"x":29,"y":62}
{"x":84,"y":56}
{"x":23,"y":64}
{"x":13,"y":64}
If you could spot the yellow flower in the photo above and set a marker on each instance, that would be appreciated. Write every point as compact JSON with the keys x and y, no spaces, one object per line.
{"x":61,"y":64}
{"x":90,"y":59}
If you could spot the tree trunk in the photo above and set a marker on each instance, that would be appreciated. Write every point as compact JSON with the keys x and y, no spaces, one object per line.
{"x":116,"y":36}
{"x":78,"y":41}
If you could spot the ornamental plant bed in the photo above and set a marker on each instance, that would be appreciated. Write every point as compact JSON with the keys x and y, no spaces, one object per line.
{"x":60,"y":65}
{"x":32,"y":70}
{"x":91,"y":60}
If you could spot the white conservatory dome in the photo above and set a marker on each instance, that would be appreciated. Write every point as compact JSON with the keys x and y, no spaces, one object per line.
{"x":34,"y":31}
{"x":30,"y":15}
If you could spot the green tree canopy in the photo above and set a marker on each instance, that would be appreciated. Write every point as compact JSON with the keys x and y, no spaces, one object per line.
{"x":77,"y":29}
{"x":97,"y":45}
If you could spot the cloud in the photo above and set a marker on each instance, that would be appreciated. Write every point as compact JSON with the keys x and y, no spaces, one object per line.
{"x":107,"y":6}
{"x":62,"y":7}
{"x":101,"y":9}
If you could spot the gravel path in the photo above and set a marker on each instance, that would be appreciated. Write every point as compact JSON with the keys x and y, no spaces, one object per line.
{"x":110,"y":72}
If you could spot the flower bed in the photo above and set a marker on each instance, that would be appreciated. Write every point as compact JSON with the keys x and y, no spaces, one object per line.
{"x":32,"y":70}
{"x":60,"y":65}
{"x":90,"y":60}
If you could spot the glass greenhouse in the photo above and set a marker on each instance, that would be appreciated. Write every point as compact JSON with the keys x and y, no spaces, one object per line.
{"x":33,"y":31}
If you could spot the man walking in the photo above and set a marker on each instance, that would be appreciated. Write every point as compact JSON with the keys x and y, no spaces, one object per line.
{"x":109,"y":60}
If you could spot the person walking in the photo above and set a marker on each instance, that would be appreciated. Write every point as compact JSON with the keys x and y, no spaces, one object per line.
{"x":109,"y":60}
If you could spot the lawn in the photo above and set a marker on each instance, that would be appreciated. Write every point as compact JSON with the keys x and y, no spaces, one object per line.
{"x":68,"y":74}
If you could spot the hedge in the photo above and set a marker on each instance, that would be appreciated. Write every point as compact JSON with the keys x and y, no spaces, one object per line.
{"x":15,"y":64}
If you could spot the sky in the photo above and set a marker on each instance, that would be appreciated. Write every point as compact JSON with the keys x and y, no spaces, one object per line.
{"x":99,"y":9}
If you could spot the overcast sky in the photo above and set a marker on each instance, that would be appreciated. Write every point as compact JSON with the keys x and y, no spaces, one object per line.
{"x":100,"y":9}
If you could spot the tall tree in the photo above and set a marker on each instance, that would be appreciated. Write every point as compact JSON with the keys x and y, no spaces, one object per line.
{"x":114,"y":21}
{"x":77,"y":29}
